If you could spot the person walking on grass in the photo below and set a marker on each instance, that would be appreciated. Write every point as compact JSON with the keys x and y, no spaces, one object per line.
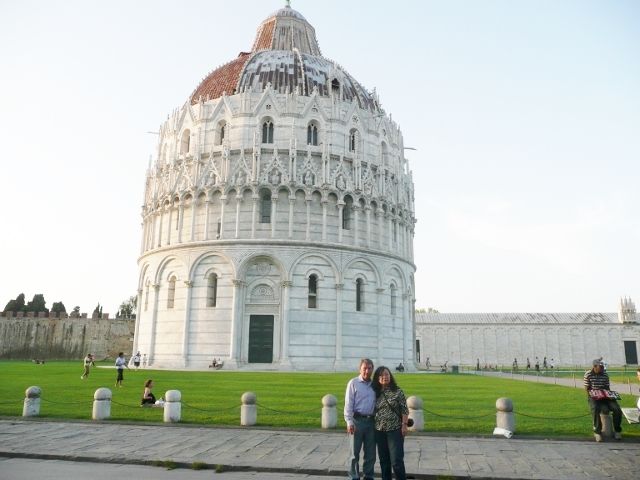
{"x":87,"y":363}
{"x":121,"y":362}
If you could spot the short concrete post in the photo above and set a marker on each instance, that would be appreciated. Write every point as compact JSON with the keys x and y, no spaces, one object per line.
{"x":329,"y":413}
{"x":505,"y":418}
{"x":607,"y":425}
{"x":101,"y":404}
{"x":31,"y":407}
{"x":416,"y":413}
{"x":172,"y":406}
{"x":249,"y":409}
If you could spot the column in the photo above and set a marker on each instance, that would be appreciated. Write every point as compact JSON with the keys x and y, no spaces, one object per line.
{"x":154,"y":319}
{"x":185,"y":328}
{"x":234,"y":351}
{"x":292,"y":201}
{"x":136,"y":330}
{"x":194,"y":207}
{"x":144,"y":236}
{"x":180,"y":221}
{"x":390,"y":232}
{"x":380,"y":326}
{"x":253,"y":216}
{"x":324,"y":220}
{"x":380,"y":217}
{"x":238,"y":203}
{"x":170,"y":215}
{"x":406,"y":334}
{"x":339,"y":287}
{"x":286,"y":292}
{"x":308,"y":233}
{"x":223,"y":202}
{"x":367,"y":209}
{"x":340,"y":208}
{"x":356,"y":221}
{"x":274,"y":212}
{"x":207,"y":204}
{"x":159,"y":244}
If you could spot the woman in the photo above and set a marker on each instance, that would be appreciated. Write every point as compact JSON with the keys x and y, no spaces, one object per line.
{"x":391,"y":423}
{"x":147,"y":397}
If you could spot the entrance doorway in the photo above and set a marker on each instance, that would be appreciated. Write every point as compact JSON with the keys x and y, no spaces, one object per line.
{"x":630,"y":352}
{"x":261,"y":339}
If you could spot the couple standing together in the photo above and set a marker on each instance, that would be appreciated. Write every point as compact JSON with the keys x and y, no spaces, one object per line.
{"x":377,"y":416}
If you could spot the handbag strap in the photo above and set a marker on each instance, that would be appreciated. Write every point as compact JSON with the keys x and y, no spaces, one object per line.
{"x":391,"y":406}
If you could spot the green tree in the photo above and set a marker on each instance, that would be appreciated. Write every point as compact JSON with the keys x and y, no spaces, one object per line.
{"x":38,"y":304}
{"x":128,"y":308}
{"x":58,"y":307}
{"x":97,"y":311}
{"x":76,"y":310}
{"x":16,"y":305}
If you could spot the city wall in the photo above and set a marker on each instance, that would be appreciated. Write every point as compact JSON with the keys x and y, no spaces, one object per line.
{"x":63,"y":337}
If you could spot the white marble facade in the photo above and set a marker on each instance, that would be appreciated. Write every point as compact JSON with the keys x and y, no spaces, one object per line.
{"x":278,"y":218}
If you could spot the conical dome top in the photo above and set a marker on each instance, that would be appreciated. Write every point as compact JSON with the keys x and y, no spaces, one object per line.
{"x":286,"y":29}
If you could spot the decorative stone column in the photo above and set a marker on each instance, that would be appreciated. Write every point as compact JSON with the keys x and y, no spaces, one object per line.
{"x":338,"y":361}
{"x":367,"y":210}
{"x":292,"y":202}
{"x":194,"y":208}
{"x":180,"y":220}
{"x":161,"y":215}
{"x":380,"y":325}
{"x":286,"y":292}
{"x":340,"y":219}
{"x":416,"y":412}
{"x":249,"y":409}
{"x":101,"y":404}
{"x":154,"y":320}
{"x":31,"y":406}
{"x":329,"y":413}
{"x":223,"y":202}
{"x":274,"y":213}
{"x":207,"y":205}
{"x":235,"y":322}
{"x":185,"y":328}
{"x":324,"y":203}
{"x":356,"y":221}
{"x":255,"y":199}
{"x":308,"y":230}
{"x":172,"y":406}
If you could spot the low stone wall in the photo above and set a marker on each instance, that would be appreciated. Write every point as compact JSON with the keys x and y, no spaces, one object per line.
{"x":71,"y":338}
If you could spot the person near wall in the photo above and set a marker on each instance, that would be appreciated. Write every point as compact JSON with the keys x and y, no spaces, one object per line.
{"x":359,"y":406}
{"x":121,"y":363}
{"x":88,"y":362}
{"x":391,"y":423}
{"x":597,"y":379}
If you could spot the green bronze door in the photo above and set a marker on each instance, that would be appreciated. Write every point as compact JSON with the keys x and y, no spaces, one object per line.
{"x":261,"y":339}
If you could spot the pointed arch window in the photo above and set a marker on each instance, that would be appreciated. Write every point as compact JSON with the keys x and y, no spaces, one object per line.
{"x":265,"y":208}
{"x":267,"y":132}
{"x":353,"y":140}
{"x":185,"y":143}
{"x":171,"y":293}
{"x":312,"y":134}
{"x":359,"y":295}
{"x":223,"y":132}
{"x":335,"y":88}
{"x":392,"y":289}
{"x":212,"y":290}
{"x":346,"y":214}
{"x":313,"y":291}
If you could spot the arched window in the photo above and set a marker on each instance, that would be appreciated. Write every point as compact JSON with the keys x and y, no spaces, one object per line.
{"x":359,"y":295}
{"x":267,"y":132}
{"x":312,"y":134}
{"x":185,"y":143}
{"x":346,"y":214}
{"x":219,"y":227}
{"x":335,"y":88}
{"x":171,"y":294}
{"x":392,"y":289}
{"x":313,"y":291}
{"x":353,"y":140}
{"x":265,"y":208}
{"x":212,"y":290}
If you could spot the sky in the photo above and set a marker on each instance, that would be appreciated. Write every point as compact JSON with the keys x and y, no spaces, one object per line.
{"x":524,"y":116}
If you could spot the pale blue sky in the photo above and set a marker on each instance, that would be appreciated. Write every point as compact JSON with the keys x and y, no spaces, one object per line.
{"x":525,"y":116}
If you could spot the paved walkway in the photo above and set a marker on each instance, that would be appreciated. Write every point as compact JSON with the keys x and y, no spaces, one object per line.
{"x":313,"y":452}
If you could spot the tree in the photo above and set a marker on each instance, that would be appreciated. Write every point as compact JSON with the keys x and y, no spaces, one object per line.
{"x":128,"y":308}
{"x":58,"y":307}
{"x":76,"y":310}
{"x":16,"y":305}
{"x":97,"y":312}
{"x":38,"y":304}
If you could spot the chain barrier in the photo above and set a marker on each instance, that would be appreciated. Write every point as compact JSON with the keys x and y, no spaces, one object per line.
{"x":314,"y":409}
{"x":66,"y":403}
{"x":553,"y":418}
{"x":217,"y":410}
{"x":11,"y":402}
{"x":459,"y":418}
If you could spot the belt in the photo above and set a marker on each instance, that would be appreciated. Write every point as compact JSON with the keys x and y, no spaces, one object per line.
{"x":360,"y":415}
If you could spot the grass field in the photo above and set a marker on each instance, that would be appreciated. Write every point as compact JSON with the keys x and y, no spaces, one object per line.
{"x":453,"y":403}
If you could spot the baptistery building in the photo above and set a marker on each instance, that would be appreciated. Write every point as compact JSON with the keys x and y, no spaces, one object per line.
{"x":278,"y":218}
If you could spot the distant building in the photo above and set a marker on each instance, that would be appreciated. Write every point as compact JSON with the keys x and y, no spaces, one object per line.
{"x":278,"y":218}
{"x":498,"y":338}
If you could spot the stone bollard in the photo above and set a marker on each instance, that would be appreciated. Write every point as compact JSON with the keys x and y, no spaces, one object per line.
{"x":172,"y":406}
{"x":101,"y":404}
{"x":329,"y":414}
{"x":505,"y":418}
{"x":249,"y":409}
{"x":31,"y":407}
{"x":607,"y":425}
{"x":416,"y":413}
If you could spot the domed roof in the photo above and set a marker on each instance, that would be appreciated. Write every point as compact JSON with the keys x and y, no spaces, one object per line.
{"x":286,"y":55}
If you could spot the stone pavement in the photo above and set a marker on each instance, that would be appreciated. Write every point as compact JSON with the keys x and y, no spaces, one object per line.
{"x":313,"y":452}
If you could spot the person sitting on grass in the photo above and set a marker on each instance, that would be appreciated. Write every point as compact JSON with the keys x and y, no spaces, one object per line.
{"x":148,"y":398}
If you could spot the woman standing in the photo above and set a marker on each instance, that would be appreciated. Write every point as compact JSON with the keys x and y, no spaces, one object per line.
{"x":391,"y":422}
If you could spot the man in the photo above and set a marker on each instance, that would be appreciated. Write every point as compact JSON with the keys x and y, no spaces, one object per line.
{"x":121,"y":363}
{"x":88,"y":363}
{"x":136,"y":360}
{"x":359,"y":406}
{"x":597,"y":379}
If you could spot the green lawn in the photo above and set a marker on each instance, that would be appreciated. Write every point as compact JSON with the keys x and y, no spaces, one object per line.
{"x":453,"y":403}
